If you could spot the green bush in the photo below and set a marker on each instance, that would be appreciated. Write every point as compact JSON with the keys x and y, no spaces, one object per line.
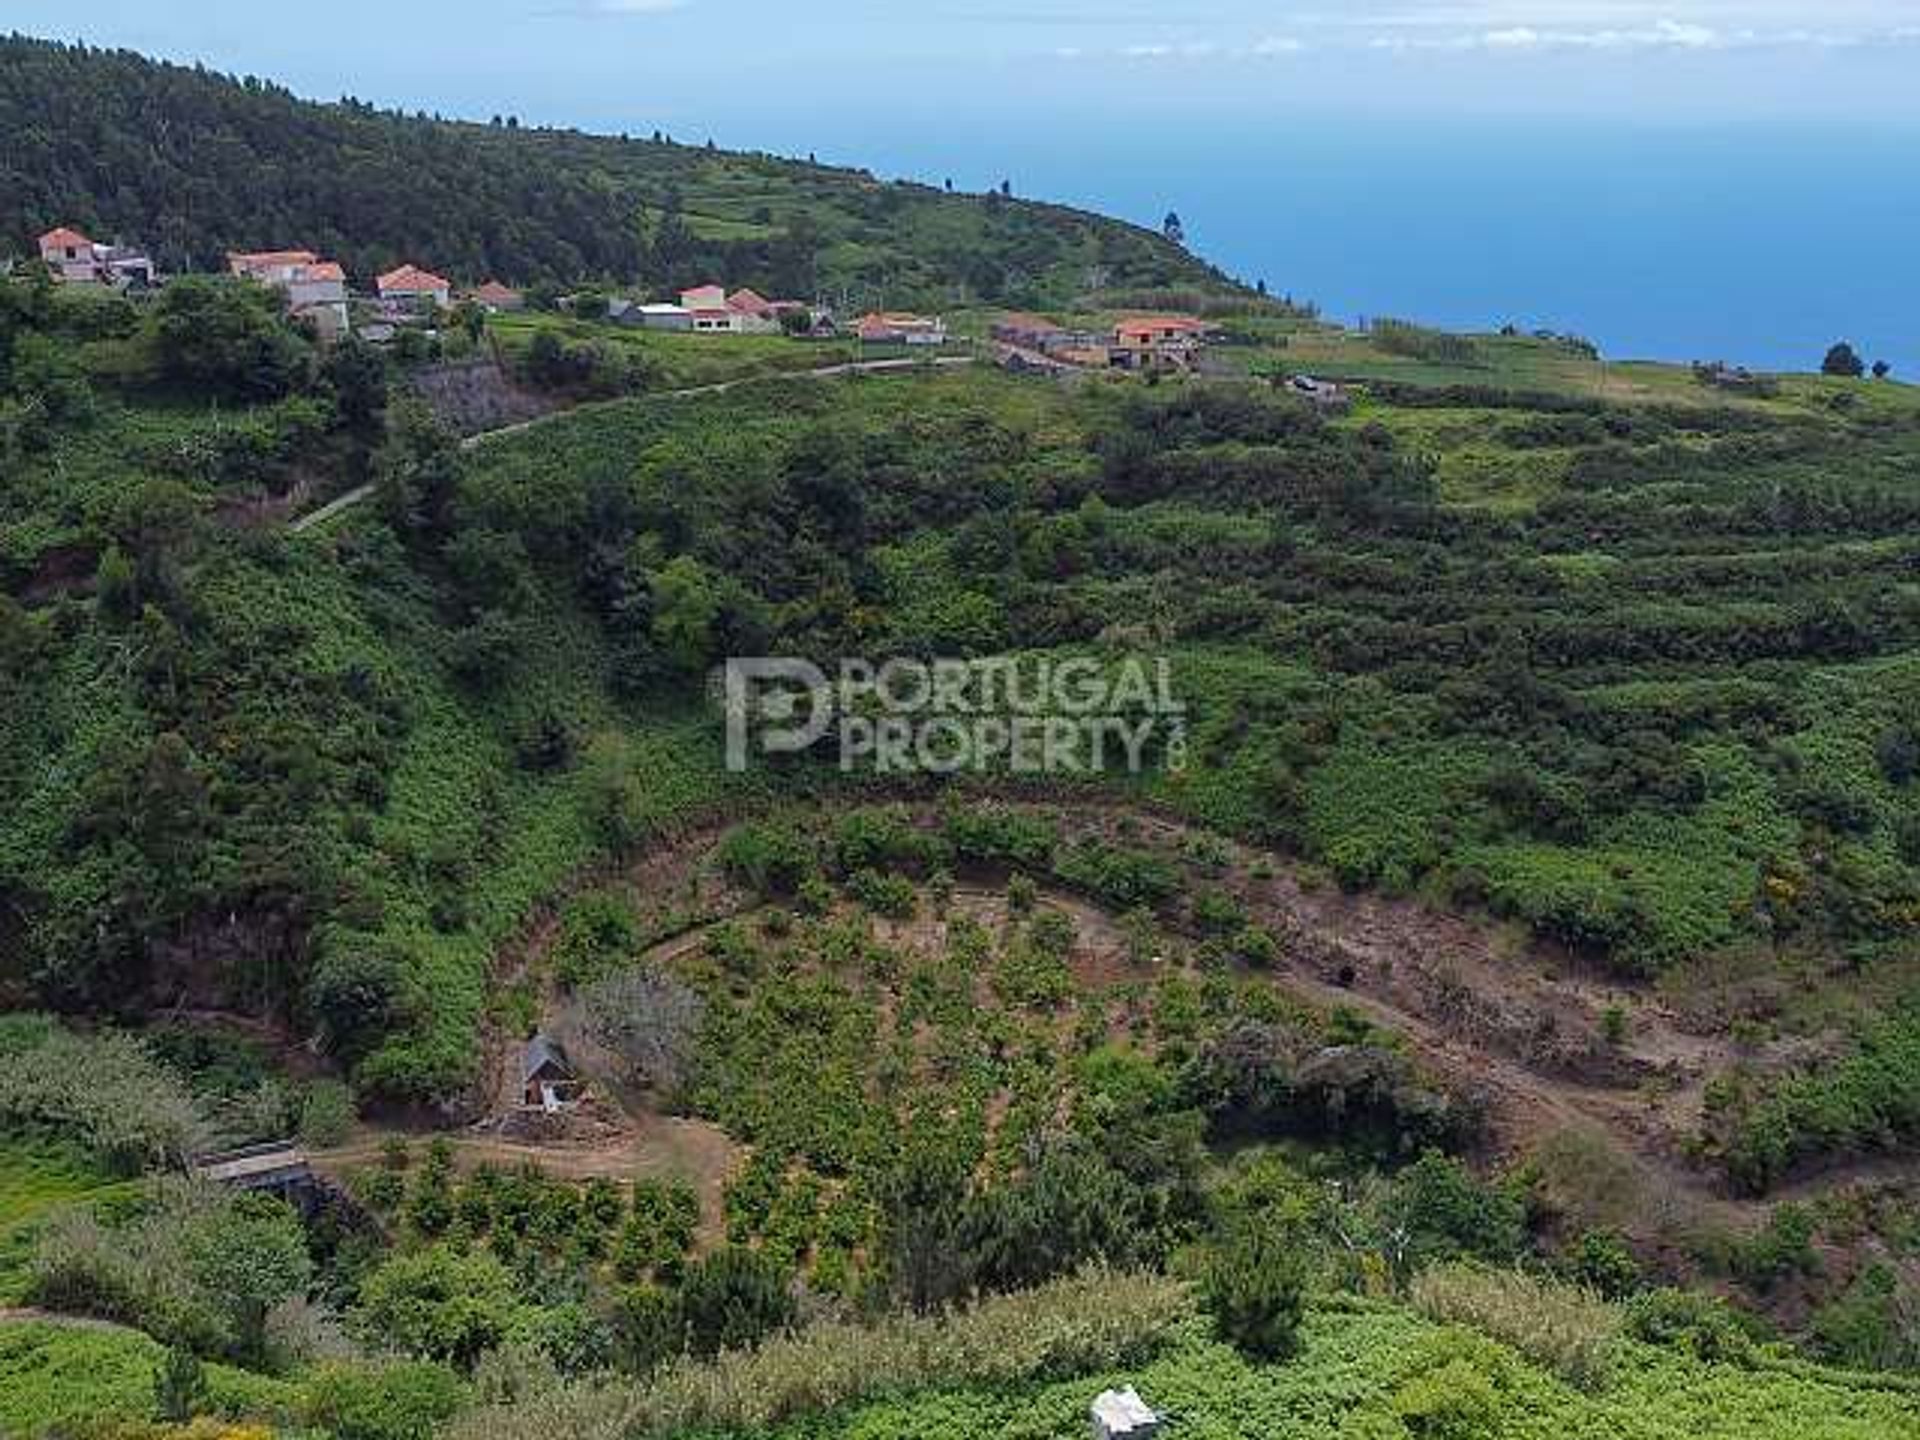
{"x":401,"y":1401}
{"x":1255,"y":1289}
{"x":326,"y":1114}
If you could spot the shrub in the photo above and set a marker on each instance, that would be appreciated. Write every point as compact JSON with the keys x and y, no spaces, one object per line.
{"x":131,"y":1108}
{"x":1255,"y":1290}
{"x":403,"y":1401}
{"x":1874,"y":1325}
{"x":732,"y":1300}
{"x":1567,"y":1329}
{"x":1603,"y":1262}
{"x":326,"y":1114}
{"x":438,"y":1304}
{"x":194,"y":1267}
{"x":597,"y":935}
{"x":1703,"y":1326}
{"x":889,"y":895}
{"x":1444,"y":1211}
{"x":770,"y":859}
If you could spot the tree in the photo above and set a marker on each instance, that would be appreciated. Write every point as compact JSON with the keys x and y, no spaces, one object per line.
{"x":247,"y":1259}
{"x":1881,"y":369}
{"x":644,"y":1017}
{"x":1173,"y":229}
{"x":1842,"y":360}
{"x":439,"y":1304}
{"x":733,"y":1299}
{"x":179,"y":1386}
{"x":228,"y":336}
{"x":685,"y":606}
{"x":357,"y":373}
{"x":1255,"y":1289}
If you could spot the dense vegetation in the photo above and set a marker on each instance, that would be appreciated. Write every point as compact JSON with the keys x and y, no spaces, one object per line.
{"x":193,"y":164}
{"x":993,"y":1092}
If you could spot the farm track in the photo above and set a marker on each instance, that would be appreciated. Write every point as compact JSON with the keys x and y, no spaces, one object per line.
{"x":1471,"y":1004}
{"x":343,"y":503}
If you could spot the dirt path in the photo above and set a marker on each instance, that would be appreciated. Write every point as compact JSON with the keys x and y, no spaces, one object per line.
{"x":722,"y":387}
{"x":1520,"y":1023}
{"x":359,"y":494}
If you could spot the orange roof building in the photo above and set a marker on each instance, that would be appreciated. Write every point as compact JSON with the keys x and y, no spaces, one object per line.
{"x":495,"y":296}
{"x":410,"y":282}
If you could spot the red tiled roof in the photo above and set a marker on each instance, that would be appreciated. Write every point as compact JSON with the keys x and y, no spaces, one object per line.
{"x":269,"y":259}
{"x":411,"y":280}
{"x":1161,"y":325}
{"x":494,"y":290}
{"x":695,"y":297}
{"x":748,"y":303}
{"x":64,"y":239}
{"x":325,"y":270}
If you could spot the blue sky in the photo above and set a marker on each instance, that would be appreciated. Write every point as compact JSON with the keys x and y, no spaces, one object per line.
{"x":756,"y":72}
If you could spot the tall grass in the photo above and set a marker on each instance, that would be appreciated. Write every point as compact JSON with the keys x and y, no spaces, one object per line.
{"x":1095,"y":1321}
{"x":1570,"y":1331}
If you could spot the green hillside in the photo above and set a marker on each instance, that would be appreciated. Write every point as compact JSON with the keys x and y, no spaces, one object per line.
{"x":193,"y":164}
{"x":1494,"y":1013}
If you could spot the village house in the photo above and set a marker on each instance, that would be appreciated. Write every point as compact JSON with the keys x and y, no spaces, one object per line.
{"x":411,"y":286}
{"x":315,"y":290}
{"x":498,"y":299}
{"x":887,"y":328}
{"x":706,"y":305}
{"x":753,"y":314}
{"x":1158,"y":342}
{"x":73,"y":259}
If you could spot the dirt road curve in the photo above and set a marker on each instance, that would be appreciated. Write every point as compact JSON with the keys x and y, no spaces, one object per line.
{"x":354,"y":497}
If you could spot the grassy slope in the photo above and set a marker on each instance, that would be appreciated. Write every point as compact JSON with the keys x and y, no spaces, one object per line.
{"x":1383,"y":1372}
{"x":38,"y":1175}
{"x":56,"y":1376}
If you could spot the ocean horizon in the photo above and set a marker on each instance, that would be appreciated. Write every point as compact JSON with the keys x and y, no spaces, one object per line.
{"x":1754,"y":245}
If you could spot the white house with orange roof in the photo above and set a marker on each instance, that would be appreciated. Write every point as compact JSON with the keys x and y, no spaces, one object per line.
{"x":1147,"y":342}
{"x":410,"y":285}
{"x":74,"y":259}
{"x":315,"y":289}
{"x":753,"y":314}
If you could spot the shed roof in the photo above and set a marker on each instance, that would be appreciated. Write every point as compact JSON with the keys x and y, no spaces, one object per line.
{"x":541,"y":1053}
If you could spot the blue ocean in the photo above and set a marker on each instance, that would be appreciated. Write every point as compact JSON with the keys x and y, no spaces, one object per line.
{"x":1757,"y":246}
